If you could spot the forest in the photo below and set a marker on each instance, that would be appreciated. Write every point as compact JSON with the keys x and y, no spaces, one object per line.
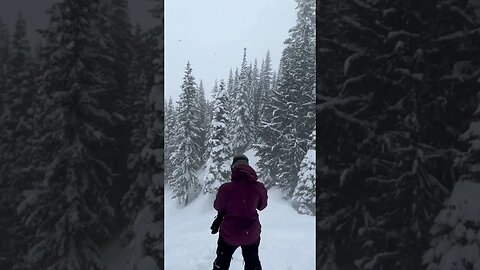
{"x":272,"y":112}
{"x":81,"y":147}
{"x":397,"y":113}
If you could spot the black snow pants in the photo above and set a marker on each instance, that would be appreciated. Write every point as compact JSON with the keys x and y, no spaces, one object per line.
{"x":225,"y":252}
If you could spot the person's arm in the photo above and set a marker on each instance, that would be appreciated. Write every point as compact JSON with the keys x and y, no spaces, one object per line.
{"x":216,"y":223}
{"x":220,"y":201}
{"x":262,"y":202}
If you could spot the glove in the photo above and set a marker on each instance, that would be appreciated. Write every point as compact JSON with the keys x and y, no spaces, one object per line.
{"x":216,"y":223}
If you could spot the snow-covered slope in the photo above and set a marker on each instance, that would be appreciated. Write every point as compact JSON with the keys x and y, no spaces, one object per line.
{"x":288,"y":239}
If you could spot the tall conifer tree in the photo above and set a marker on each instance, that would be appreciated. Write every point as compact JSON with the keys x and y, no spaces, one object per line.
{"x":242,"y":125}
{"x":70,"y":212}
{"x":186,"y":158}
{"x":217,"y":169}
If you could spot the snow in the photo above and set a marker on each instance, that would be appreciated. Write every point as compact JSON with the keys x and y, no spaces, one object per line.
{"x":364,"y":5}
{"x":395,"y":34}
{"x":119,"y":255}
{"x":388,"y":11}
{"x":115,"y":256}
{"x":31,"y":198}
{"x":148,"y":263}
{"x":457,"y":230}
{"x":465,"y":199}
{"x":252,"y":158}
{"x":352,"y":58}
{"x":287,"y":239}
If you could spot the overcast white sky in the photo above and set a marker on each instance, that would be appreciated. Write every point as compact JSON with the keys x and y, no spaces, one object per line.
{"x":211,"y":34}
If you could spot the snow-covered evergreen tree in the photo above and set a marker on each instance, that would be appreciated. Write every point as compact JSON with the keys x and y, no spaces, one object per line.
{"x":16,"y":123}
{"x":138,"y":119}
{"x":146,"y":243}
{"x":209,"y":117}
{"x":16,"y":118}
{"x":230,"y":89}
{"x":186,"y":158}
{"x":217,"y":169}
{"x":269,"y":132}
{"x":291,"y":106}
{"x":69,"y":210}
{"x":296,"y":93}
{"x":170,"y":143}
{"x":264,"y":87}
{"x":117,"y":32}
{"x":233,"y":92}
{"x":241,"y":122}
{"x":255,"y":97}
{"x":202,"y":120}
{"x":272,"y":138}
{"x":4,"y":57}
{"x":304,"y":194}
{"x":4,"y":54}
{"x":215,"y":89}
{"x":388,"y":101}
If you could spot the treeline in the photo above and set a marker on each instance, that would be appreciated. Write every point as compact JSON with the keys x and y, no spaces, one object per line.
{"x":397,"y":112}
{"x":81,"y":147}
{"x":255,"y":107}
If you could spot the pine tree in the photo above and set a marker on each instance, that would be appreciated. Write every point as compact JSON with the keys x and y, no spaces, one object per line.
{"x":230,"y":90}
{"x":21,"y":73}
{"x":186,"y":158}
{"x":16,"y":121}
{"x":202,"y":120}
{"x":269,"y":132}
{"x":304,"y":193}
{"x":296,"y":89}
{"x":17,"y":100}
{"x":170,"y":120}
{"x":255,"y":98}
{"x":137,"y":97}
{"x":388,"y":97}
{"x":264,"y":88}
{"x":4,"y":49}
{"x":234,"y":91}
{"x":292,"y":105}
{"x":290,"y":148}
{"x":209,"y":118}
{"x":215,"y":89}
{"x":69,"y":210}
{"x":217,"y":169}
{"x":117,"y":35}
{"x":4,"y":57}
{"x":242,"y":129}
{"x":146,"y":243}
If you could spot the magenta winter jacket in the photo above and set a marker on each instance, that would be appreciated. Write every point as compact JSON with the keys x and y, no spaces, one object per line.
{"x":239,"y":200}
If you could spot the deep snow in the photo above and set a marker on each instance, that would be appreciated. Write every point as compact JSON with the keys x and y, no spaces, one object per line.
{"x":288,"y":238}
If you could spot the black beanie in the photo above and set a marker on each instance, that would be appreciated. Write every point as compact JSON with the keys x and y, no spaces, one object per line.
{"x":239,"y":159}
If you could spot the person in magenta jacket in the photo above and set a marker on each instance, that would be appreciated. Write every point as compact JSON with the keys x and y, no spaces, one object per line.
{"x":237,"y":202}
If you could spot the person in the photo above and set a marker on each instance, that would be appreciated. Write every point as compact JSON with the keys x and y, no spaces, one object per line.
{"x":237,"y":202}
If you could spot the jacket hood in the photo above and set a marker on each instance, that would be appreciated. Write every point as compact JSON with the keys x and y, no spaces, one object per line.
{"x":243,"y":172}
